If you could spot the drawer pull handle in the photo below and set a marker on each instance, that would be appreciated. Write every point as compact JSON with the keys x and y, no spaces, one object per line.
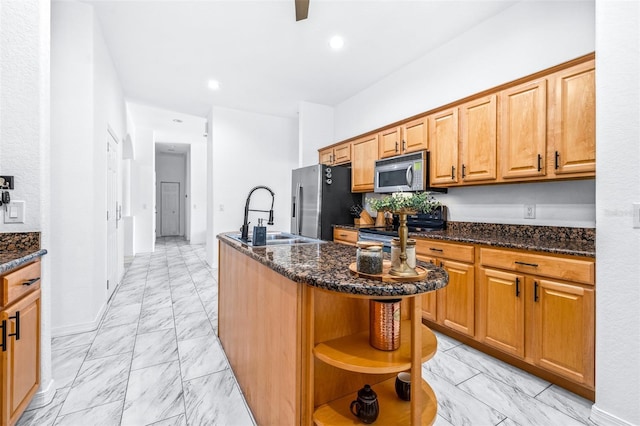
{"x":4,"y":335}
{"x":535,"y":291}
{"x":32,"y":281}
{"x":436,"y":249}
{"x":453,"y":172}
{"x":517,"y":287}
{"x":533,"y":265}
{"x":17,"y":333}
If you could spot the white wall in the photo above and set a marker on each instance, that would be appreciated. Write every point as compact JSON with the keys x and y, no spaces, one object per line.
{"x":25,"y":141}
{"x":197,"y":200}
{"x":143,"y":190}
{"x":170,"y":168}
{"x":248,"y":150}
{"x":87,"y":99}
{"x":617,"y":186}
{"x":525,"y":38}
{"x":315,"y":130}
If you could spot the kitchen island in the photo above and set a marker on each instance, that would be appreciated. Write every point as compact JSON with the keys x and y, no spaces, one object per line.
{"x":294,"y":324}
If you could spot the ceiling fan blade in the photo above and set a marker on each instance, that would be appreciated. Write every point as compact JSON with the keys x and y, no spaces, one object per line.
{"x":302,"y":9}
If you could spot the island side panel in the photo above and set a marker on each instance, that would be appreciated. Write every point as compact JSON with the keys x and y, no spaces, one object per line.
{"x":259,"y":323}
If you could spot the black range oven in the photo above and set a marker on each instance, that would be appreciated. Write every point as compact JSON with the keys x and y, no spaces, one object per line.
{"x":434,"y":221}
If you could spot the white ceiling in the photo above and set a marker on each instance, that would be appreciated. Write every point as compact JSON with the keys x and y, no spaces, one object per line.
{"x":266,"y":62}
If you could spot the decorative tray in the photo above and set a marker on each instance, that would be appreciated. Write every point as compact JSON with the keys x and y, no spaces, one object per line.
{"x":386,"y":277}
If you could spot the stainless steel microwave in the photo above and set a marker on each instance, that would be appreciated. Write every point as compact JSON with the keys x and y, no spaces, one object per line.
{"x":409,"y":172}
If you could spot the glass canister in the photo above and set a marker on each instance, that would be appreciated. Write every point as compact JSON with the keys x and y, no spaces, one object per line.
{"x":369,"y":258}
{"x":410,"y":251}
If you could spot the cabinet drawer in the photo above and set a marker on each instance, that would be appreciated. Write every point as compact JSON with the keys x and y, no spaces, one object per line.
{"x":345,"y":235}
{"x":14,"y":283}
{"x":463,"y":253}
{"x":577,"y":270}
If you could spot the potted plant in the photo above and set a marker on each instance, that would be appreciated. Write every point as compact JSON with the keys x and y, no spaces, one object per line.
{"x":404,"y":202}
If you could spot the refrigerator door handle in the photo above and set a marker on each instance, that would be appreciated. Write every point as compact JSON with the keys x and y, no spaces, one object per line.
{"x":409,"y":175}
{"x":299,"y":216}
{"x":295,"y":213}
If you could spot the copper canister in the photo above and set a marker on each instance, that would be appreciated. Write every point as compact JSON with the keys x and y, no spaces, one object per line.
{"x":384,"y":324}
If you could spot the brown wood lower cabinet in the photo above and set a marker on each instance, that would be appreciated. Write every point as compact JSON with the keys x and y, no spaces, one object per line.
{"x":531,"y":309}
{"x":548,"y":323}
{"x":20,"y":352}
{"x":454,"y":305}
{"x":345,"y":236}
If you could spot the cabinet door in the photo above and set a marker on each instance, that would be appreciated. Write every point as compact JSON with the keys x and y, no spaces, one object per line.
{"x":326,"y":157}
{"x":342,"y":154}
{"x":523,"y":137}
{"x":563,"y":329}
{"x":501,"y":310}
{"x":21,"y":361}
{"x":389,"y":140}
{"x":456,"y":306}
{"x":574,"y":120}
{"x":429,"y":300}
{"x":443,"y":139}
{"x":364,"y":153}
{"x":478,"y":139}
{"x":414,"y":135}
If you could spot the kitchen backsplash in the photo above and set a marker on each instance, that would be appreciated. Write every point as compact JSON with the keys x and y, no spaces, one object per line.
{"x":19,"y":241}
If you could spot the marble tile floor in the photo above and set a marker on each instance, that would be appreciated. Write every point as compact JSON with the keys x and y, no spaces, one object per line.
{"x":155,"y":360}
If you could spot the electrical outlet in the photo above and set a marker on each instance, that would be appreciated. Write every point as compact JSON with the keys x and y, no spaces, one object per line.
{"x":529,"y":211}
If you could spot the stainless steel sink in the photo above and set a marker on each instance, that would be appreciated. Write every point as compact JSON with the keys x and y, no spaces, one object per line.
{"x":279,"y":238}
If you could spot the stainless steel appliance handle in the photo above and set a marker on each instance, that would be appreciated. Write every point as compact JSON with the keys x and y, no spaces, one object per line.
{"x":299,"y":217}
{"x":410,"y":175}
{"x":295,"y":209}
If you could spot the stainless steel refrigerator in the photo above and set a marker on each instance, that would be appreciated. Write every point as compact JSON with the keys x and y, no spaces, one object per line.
{"x":321,"y":197}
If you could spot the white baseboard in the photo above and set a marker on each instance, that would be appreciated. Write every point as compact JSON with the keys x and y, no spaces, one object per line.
{"x":80,"y":328}
{"x":44,"y":396}
{"x":603,"y":418}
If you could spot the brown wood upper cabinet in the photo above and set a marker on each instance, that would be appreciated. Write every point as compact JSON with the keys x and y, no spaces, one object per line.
{"x":573,"y":120}
{"x":364,"y":153}
{"x":523,"y":130}
{"x":340,"y":154}
{"x":479,"y":140}
{"x":410,"y":137}
{"x":443,"y":140}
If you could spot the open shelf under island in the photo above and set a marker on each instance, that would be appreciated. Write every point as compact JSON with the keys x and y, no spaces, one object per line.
{"x":294,"y":324}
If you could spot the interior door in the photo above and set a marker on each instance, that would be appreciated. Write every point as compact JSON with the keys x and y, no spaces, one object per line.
{"x":112,"y":208}
{"x":170,"y":208}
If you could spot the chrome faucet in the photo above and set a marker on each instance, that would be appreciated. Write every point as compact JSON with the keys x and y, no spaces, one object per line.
{"x":245,"y":225}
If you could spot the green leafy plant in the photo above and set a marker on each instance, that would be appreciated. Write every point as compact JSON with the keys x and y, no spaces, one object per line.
{"x":419,"y":202}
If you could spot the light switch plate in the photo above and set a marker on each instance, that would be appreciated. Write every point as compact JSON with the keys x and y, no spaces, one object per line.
{"x":636,"y":215}
{"x":14,"y":212}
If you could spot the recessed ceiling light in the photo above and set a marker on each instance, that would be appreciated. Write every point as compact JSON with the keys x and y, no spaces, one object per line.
{"x":213,"y":84}
{"x":177,"y":120}
{"x":336,"y":42}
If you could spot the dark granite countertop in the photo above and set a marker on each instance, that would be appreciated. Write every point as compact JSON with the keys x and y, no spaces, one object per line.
{"x":13,"y":259}
{"x":548,"y":239}
{"x":326,"y":265}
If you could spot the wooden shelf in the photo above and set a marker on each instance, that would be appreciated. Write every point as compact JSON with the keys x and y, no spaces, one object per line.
{"x":393,"y":410}
{"x":353,"y":353}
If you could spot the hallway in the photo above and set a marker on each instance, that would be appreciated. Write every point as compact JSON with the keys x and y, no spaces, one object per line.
{"x":155,"y":359}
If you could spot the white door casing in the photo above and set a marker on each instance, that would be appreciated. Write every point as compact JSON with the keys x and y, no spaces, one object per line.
{"x":170,"y":208}
{"x":112,"y":212}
